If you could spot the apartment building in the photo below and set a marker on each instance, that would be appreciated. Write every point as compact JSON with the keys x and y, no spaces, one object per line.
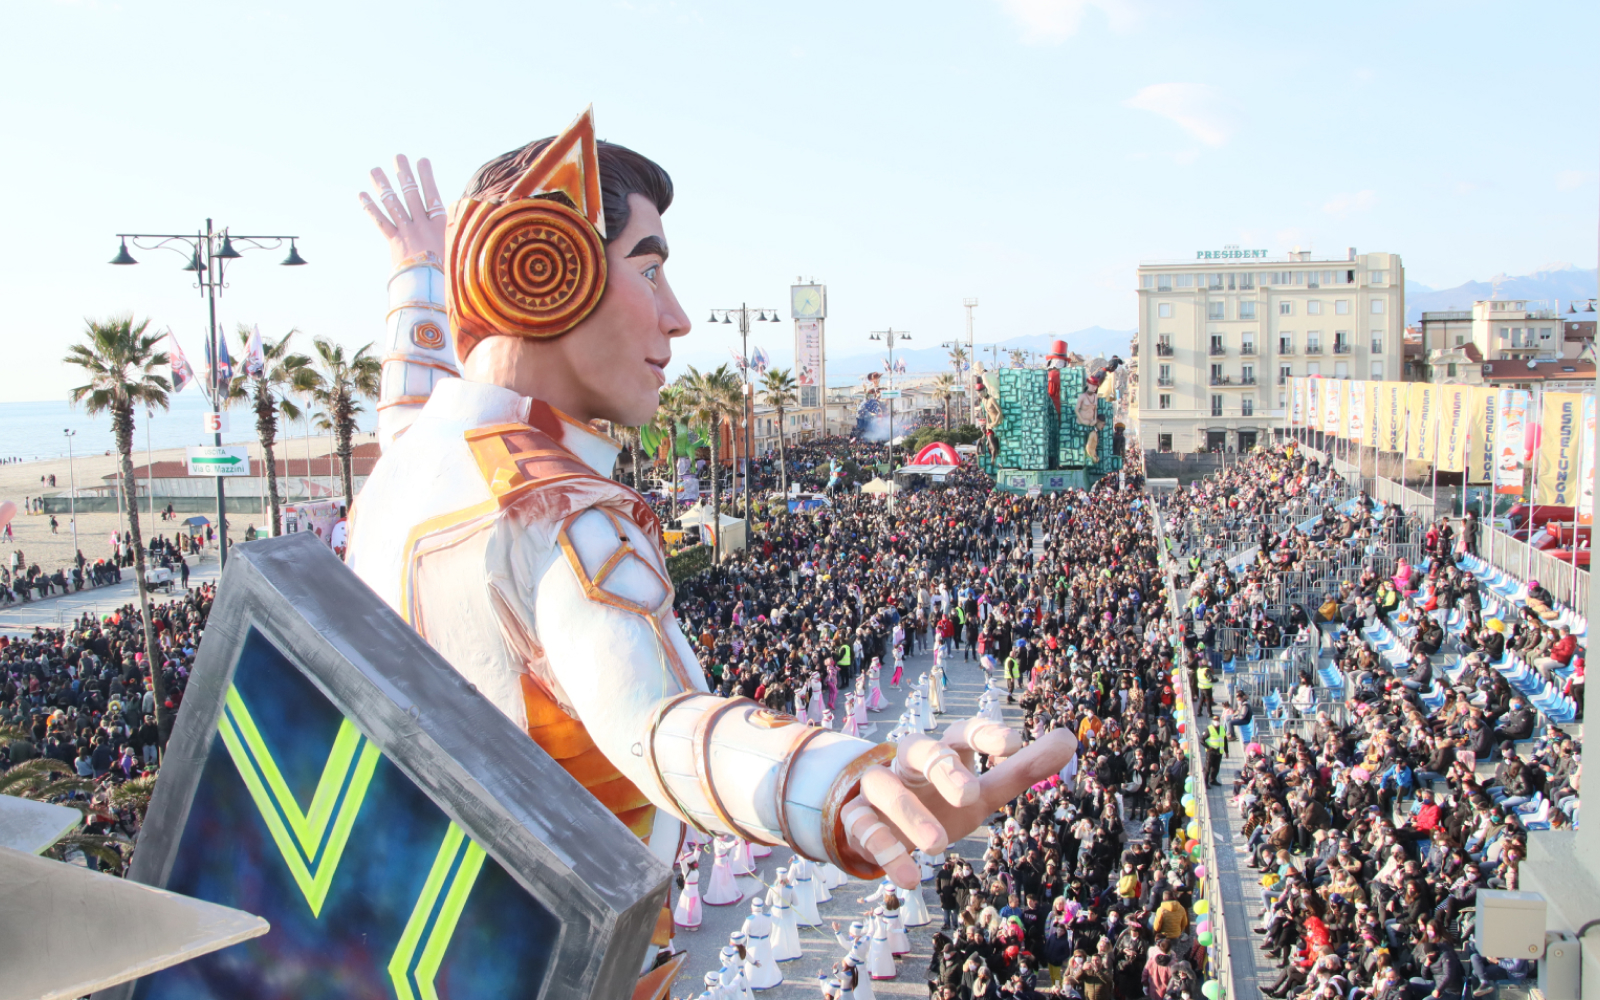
{"x":1221,"y":334}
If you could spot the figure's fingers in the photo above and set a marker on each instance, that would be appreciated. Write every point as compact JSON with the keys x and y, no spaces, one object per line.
{"x":872,"y":838}
{"x":409,"y":188}
{"x":1043,"y":757}
{"x":971,"y":736}
{"x":384,"y":225}
{"x":391,"y":201}
{"x":430,"y":190}
{"x":923,"y":759}
{"x":895,"y":802}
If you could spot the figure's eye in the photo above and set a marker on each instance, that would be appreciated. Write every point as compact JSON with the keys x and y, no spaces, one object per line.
{"x":651,"y":271}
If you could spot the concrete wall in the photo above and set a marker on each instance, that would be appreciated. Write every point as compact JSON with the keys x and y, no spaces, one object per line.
{"x":1185,"y":467}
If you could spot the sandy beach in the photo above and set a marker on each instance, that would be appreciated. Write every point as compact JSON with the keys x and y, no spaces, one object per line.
{"x":31,"y":533}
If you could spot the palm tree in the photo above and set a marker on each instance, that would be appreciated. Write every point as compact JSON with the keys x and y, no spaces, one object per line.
{"x":630,"y":442}
{"x":959,"y":363}
{"x":672,"y":409}
{"x":944,"y":390}
{"x":269,"y":392}
{"x":1019,"y":357}
{"x":121,"y":362}
{"x":344,"y":382}
{"x":779,"y":391}
{"x":713,"y":397}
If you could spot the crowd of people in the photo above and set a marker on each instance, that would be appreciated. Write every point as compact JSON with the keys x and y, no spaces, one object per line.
{"x":24,"y":582}
{"x":1392,"y":797}
{"x":82,"y":696}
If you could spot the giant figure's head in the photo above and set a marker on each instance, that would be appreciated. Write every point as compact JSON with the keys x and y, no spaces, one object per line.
{"x":555,"y":262}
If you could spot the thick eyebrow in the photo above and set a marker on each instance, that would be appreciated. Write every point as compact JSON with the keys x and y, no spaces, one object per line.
{"x":650,"y":245}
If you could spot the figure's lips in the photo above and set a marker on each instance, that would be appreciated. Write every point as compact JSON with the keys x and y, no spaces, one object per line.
{"x":659,"y":368}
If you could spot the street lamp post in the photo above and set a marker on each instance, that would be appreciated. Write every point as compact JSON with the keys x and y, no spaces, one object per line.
{"x":208,"y":253}
{"x":888,"y":337}
{"x":972,"y":358}
{"x":765,"y":316}
{"x":72,"y":498}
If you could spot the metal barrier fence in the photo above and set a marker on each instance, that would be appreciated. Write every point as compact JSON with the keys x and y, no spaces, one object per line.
{"x":1567,"y":584}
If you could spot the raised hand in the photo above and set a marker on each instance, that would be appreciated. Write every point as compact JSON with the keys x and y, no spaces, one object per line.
{"x":413,"y":220}
{"x":930,"y":795}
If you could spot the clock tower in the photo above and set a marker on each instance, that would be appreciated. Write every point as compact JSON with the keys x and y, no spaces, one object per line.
{"x":808,"y":304}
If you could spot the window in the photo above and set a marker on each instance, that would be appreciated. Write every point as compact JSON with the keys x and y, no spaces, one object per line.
{"x":1164,"y":310}
{"x":1341,"y":369}
{"x":1341,"y":341}
{"x":1216,"y":374}
{"x":1214,"y":282}
{"x":1285,"y":308}
{"x":1377,"y":342}
{"x":1450,"y":369}
{"x":1164,"y":376}
{"x":1286,"y":344}
{"x":1377,"y":370}
{"x":1166,"y":400}
{"x":1378,"y":277}
{"x":1314,"y":342}
{"x":1247,"y":407}
{"x":1461,"y":338}
{"x":1544,"y":333}
{"x":1285,"y":373}
{"x":1216,"y":406}
{"x":1377,"y":307}
{"x":1247,"y":281}
{"x":1163,"y":282}
{"x":1147,"y":281}
{"x":1214,"y":310}
{"x":1217,"y":345}
{"x":1247,"y":310}
{"x":1313,"y":368}
{"x":1282,"y":400}
{"x":1164,"y":442}
{"x":1314,"y":308}
{"x":1341,"y":307}
{"x":1248,"y":343}
{"x":1247,"y":374}
{"x":1185,"y":281}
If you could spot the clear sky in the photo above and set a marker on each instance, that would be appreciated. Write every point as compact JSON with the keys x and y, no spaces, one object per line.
{"x":1026,"y":152}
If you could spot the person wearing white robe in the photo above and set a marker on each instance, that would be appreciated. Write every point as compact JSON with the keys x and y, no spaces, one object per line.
{"x":740,"y":860}
{"x":880,"y":960}
{"x":721,"y":889}
{"x":734,"y":984}
{"x":800,"y":711}
{"x":852,"y":725}
{"x":861,"y":701}
{"x":876,"y":702}
{"x":851,"y":970}
{"x":785,"y":932}
{"x":936,"y":688}
{"x":857,"y":942}
{"x":759,"y":966}
{"x":805,"y":892}
{"x":819,"y":883}
{"x":924,"y":693}
{"x":914,"y":909}
{"x":759,"y":850}
{"x":888,"y":895}
{"x":687,"y":913}
{"x":713,"y":981}
{"x":832,"y":875}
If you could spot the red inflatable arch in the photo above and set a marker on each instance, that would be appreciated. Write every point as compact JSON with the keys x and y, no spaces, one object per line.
{"x":937,"y":453}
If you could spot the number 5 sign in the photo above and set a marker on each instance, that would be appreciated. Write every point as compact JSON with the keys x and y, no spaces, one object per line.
{"x":216,"y":423}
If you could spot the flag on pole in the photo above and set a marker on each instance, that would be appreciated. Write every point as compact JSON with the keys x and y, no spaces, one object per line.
{"x":759,"y":360}
{"x":182,"y":374}
{"x":220,"y":369}
{"x":255,"y":359}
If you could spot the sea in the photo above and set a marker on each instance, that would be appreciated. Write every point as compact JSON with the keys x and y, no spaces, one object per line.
{"x":33,"y":431}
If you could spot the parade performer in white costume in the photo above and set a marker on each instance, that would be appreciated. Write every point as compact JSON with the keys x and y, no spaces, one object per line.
{"x":805,"y":892}
{"x":759,"y":966}
{"x":936,"y":689}
{"x":913,"y":908}
{"x":801,"y":713}
{"x":819,"y":883}
{"x":721,"y":888}
{"x":876,"y":702}
{"x":780,"y":904}
{"x":853,"y":976}
{"x":856,"y":942}
{"x":759,"y":850}
{"x":888,"y":896}
{"x":491,"y":525}
{"x":687,"y":913}
{"x":927,"y":862}
{"x":880,"y":959}
{"x":831,"y":875}
{"x":735,"y":985}
{"x":740,"y":861}
{"x":852,"y":725}
{"x":924,"y":702}
{"x":713,"y":981}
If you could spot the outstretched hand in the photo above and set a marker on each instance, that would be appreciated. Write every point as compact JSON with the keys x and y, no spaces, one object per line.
{"x":412,"y":221}
{"x":930,"y":796}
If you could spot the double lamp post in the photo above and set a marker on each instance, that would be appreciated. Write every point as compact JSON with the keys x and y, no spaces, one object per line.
{"x":726,"y":316}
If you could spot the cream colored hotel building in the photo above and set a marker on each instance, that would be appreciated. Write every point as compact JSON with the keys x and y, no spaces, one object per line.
{"x":1221,"y":334}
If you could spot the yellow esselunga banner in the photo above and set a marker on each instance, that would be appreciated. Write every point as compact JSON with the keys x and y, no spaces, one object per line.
{"x":1423,"y":422}
{"x":1455,"y":403}
{"x":1391,"y":417}
{"x":1356,"y":413}
{"x":1484,"y":411}
{"x":1561,"y":436}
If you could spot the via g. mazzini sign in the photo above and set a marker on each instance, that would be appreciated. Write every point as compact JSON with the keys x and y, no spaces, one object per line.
{"x":227,"y":460}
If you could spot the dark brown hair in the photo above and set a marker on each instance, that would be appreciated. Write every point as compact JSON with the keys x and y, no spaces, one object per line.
{"x":622,"y":172}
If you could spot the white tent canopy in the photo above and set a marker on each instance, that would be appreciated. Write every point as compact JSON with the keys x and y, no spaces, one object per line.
{"x":878,"y":486}
{"x":732,"y":528}
{"x":937,"y":470}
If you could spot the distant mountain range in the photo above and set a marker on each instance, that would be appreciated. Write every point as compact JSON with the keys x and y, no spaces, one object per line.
{"x":1556,"y":284}
{"x":1087,"y":342}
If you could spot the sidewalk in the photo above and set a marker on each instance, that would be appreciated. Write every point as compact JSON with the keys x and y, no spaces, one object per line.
{"x":56,"y":611}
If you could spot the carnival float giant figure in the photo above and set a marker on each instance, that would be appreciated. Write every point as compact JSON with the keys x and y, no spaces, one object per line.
{"x":536,"y":307}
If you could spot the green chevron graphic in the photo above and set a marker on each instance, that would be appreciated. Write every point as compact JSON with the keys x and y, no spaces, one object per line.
{"x":435,"y":939}
{"x":312,"y":841}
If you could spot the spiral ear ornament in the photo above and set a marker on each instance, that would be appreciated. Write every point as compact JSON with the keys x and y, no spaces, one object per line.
{"x":525,"y":268}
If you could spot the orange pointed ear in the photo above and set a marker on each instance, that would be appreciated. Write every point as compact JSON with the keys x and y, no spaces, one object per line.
{"x":571,"y":166}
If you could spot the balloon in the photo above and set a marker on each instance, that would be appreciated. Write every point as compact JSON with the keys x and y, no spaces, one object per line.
{"x":1193,"y":829}
{"x":1191,"y":845}
{"x":1188,"y":799}
{"x":1205,"y":939}
{"x":1212,"y":990}
{"x":1183,"y":727}
{"x":1199,"y":871}
{"x":1203,"y":924}
{"x":1196,"y":853}
{"x":1188,"y":810}
{"x":1202,"y":907}
{"x":1188,"y":784}
{"x":8,"y":510}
